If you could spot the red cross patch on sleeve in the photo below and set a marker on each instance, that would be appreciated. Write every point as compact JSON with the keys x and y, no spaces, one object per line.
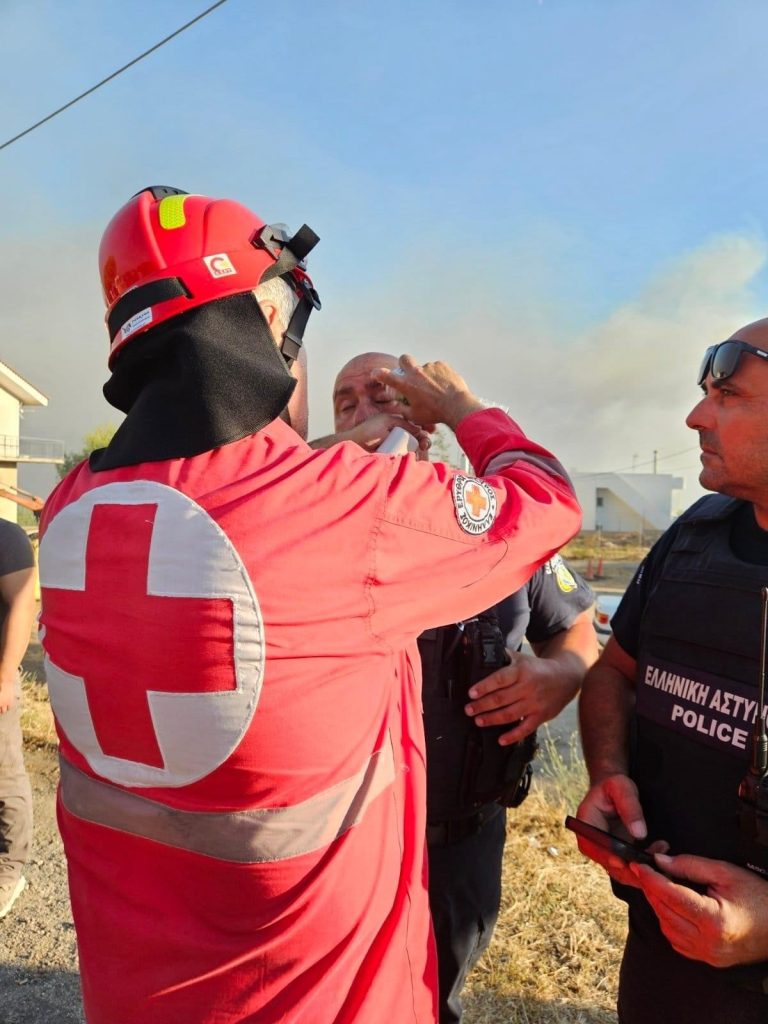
{"x":475,"y":504}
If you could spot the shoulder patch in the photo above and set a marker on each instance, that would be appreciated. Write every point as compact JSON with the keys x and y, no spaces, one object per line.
{"x":475,"y":504}
{"x":563,"y":575}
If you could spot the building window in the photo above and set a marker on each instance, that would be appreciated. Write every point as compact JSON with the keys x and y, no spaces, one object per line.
{"x":599,"y":501}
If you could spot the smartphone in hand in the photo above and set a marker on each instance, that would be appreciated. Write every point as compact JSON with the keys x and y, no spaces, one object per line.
{"x":629,"y":851}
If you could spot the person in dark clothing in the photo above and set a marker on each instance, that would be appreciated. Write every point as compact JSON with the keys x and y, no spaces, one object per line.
{"x":667,"y":720}
{"x":466,"y":845}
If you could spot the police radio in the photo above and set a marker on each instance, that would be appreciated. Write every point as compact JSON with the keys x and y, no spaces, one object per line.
{"x":753,"y":789}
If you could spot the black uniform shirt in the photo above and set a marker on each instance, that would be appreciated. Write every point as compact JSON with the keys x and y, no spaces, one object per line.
{"x":548,"y":603}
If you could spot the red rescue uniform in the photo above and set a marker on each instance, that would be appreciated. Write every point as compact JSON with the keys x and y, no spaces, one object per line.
{"x":230,"y":651}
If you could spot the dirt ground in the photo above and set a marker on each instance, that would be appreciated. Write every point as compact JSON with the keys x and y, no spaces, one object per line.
{"x":604,"y":575}
{"x":38,"y":959}
{"x":39,"y":983}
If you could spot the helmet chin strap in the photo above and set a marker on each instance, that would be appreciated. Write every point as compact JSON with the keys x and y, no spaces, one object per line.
{"x":294,"y":332}
{"x":289,"y":265}
{"x":290,"y":254}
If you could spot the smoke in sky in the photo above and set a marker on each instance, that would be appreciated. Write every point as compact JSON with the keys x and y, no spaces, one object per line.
{"x":631,"y":380}
{"x":52,"y":333}
{"x":603,"y":395}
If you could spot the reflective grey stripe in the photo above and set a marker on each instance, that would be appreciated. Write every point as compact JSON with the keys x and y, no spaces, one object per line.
{"x":506,"y":459}
{"x":244,"y":837}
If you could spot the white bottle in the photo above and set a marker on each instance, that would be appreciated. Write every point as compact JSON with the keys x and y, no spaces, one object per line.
{"x":398,"y":442}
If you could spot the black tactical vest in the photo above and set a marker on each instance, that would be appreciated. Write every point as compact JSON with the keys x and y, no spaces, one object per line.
{"x":697,"y":680}
{"x":466,"y":767}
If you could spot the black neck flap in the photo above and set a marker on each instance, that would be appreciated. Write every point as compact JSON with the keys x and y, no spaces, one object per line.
{"x":206,"y":378}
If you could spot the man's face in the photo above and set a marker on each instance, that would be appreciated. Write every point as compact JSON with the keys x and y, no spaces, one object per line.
{"x":732,"y":422}
{"x":356,"y":397}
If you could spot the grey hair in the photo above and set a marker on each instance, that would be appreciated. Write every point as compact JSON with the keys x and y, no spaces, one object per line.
{"x":282,"y":295}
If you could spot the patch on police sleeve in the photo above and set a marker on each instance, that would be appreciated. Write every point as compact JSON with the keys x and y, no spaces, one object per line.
{"x":563,"y":575}
{"x":475,"y":504}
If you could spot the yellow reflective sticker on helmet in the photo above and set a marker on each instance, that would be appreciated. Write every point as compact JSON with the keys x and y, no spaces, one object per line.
{"x":171,"y":212}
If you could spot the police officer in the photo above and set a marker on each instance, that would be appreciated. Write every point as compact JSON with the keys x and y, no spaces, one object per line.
{"x":680,"y":675}
{"x":229,"y":628}
{"x":474,"y":772}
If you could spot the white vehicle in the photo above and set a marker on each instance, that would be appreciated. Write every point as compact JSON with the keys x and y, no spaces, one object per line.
{"x":605,"y":606}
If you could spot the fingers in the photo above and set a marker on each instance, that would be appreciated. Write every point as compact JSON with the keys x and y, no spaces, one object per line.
{"x":502,"y":678}
{"x":373,"y":432}
{"x":497,"y":699}
{"x":605,"y":854}
{"x":419,"y":432}
{"x":391,"y":378}
{"x":425,"y":441}
{"x":435,"y":393}
{"x":687,"y":917}
{"x":617,"y":868}
{"x":524,"y":716}
{"x":657,"y":846}
{"x":687,"y":866}
{"x":523,"y":728}
{"x":622,"y":793}
{"x":510,"y":711}
{"x":709,"y":910}
{"x":500,"y":697}
{"x":672,"y":901}
{"x":516,"y":691}
{"x":599,"y":808}
{"x":699,"y":874}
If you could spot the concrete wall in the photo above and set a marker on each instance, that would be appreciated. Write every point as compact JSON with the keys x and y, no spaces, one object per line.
{"x":10,"y":412}
{"x":620,"y":502}
{"x":615,"y":515}
{"x":8,"y":475}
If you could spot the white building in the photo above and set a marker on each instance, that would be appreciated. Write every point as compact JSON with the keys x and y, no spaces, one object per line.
{"x":625,"y":502}
{"x":15,"y":394}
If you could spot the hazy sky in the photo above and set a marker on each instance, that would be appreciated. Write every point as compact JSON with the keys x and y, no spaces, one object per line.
{"x":564,"y":198}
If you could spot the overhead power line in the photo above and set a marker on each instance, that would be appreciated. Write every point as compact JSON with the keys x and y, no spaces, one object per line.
{"x":647,"y":462}
{"x":114,"y":74}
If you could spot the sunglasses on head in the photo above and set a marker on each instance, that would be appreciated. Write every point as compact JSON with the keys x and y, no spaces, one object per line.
{"x":721,"y":361}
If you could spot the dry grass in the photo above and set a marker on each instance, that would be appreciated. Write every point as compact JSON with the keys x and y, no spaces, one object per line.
{"x":555,"y":955}
{"x":618,"y":547}
{"x":36,"y":714}
{"x":607,"y":560}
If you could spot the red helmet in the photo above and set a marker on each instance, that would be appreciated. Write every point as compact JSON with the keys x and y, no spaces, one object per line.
{"x":166,"y":252}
